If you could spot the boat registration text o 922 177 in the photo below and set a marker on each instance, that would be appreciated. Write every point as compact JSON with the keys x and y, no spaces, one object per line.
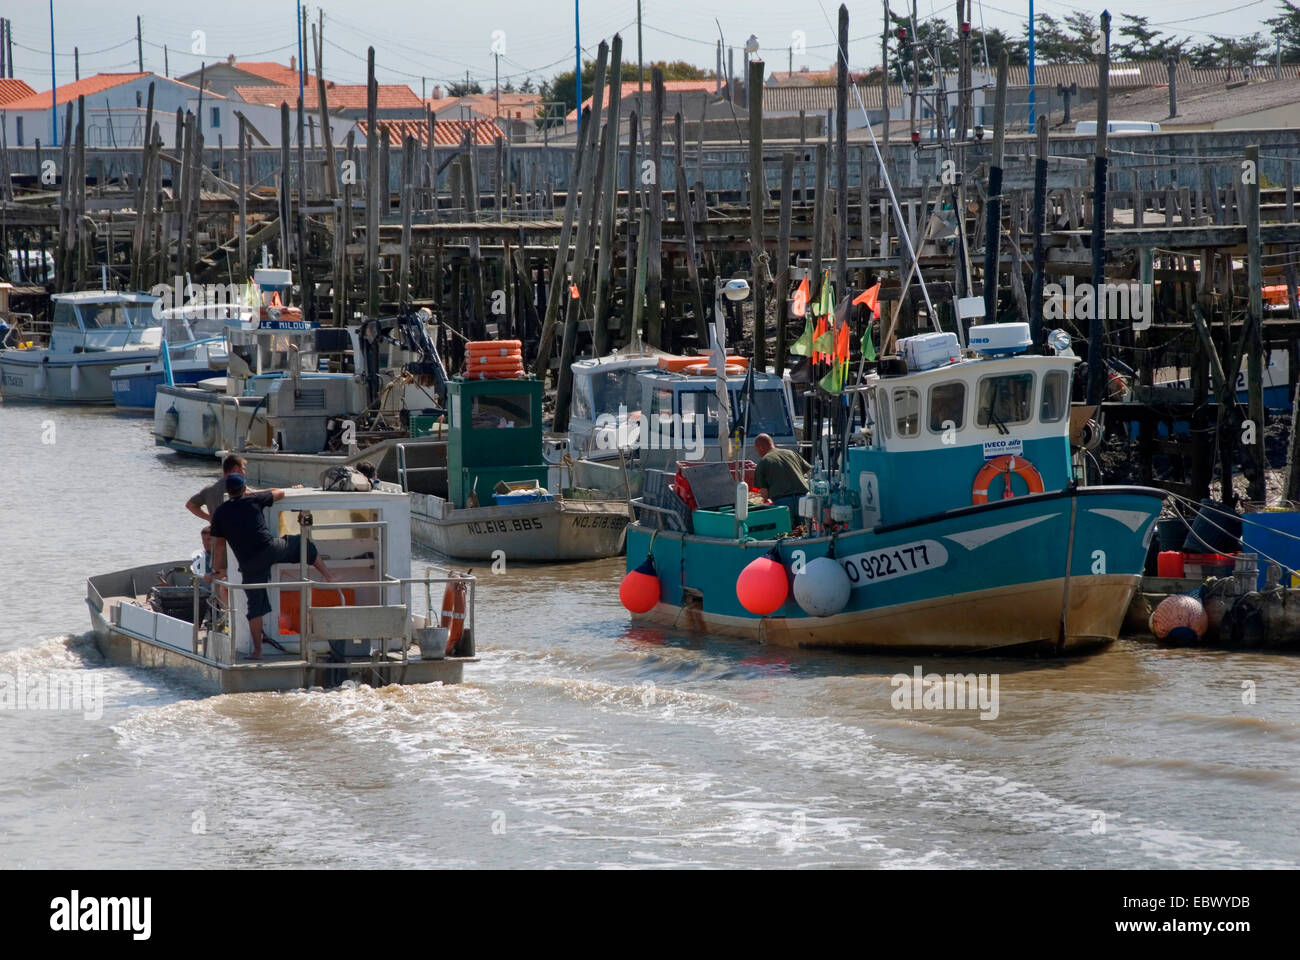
{"x":888,"y":563}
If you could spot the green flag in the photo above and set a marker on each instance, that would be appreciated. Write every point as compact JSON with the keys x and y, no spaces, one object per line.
{"x":803,"y":346}
{"x":868,"y":347}
{"x":826,"y":299}
{"x":825,"y":343}
{"x":833,"y":382}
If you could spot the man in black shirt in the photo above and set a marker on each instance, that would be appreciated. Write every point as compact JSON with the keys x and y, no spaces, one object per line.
{"x":240,"y":522}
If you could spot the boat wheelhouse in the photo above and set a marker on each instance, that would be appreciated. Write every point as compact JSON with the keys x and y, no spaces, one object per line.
{"x":91,"y":333}
{"x":491,"y":491}
{"x":366,"y":626}
{"x":956,"y":523}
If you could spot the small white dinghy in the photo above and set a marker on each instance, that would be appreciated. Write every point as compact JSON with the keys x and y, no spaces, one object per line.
{"x":362,"y":627}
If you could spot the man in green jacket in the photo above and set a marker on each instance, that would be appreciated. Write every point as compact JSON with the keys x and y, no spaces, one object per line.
{"x":781,"y":474}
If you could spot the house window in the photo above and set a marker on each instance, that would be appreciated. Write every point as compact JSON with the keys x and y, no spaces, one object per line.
{"x":18,"y":122}
{"x":216,"y":117}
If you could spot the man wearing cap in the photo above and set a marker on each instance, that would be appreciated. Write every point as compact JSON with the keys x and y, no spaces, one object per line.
{"x":240,"y":521}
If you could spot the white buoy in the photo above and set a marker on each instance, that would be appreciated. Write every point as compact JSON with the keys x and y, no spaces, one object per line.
{"x":822,"y":588}
{"x":40,"y":378}
{"x":75,"y":383}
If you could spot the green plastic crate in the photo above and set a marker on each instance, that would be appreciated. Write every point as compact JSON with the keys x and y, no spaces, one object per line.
{"x":764,"y":523}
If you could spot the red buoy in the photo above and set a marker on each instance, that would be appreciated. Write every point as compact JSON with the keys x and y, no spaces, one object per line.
{"x":1179,"y":618}
{"x":763,"y":585}
{"x":639,"y":591}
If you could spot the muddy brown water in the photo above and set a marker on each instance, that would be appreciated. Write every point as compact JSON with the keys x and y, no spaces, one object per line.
{"x":580,"y":740}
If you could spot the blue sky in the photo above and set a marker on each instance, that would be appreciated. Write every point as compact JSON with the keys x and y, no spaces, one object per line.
{"x":440,"y":40}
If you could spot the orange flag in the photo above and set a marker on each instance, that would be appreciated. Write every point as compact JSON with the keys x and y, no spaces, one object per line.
{"x":801,"y":294}
{"x":842,"y":344}
{"x":573,"y":291}
{"x":819,"y":357}
{"x":870,"y":298}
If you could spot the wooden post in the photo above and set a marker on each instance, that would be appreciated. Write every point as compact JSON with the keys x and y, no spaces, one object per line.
{"x":819,"y":221}
{"x":609,"y":205}
{"x":654,"y":253}
{"x":633,"y":177}
{"x":684,"y":213}
{"x":1097,"y":375}
{"x":1255,"y":345}
{"x":783,"y":258}
{"x":757,"y":201}
{"x":583,"y":165}
{"x":372,"y":189}
{"x":841,"y":151}
{"x":326,"y":134}
{"x":243,"y":199}
{"x":1040,"y":250}
{"x":408,"y":203}
{"x":993,"y":217}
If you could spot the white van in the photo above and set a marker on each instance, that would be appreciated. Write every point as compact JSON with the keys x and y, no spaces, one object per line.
{"x":1118,"y":126}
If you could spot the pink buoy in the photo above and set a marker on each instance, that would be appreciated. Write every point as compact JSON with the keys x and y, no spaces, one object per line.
{"x":639,"y":591}
{"x":763,"y":585}
{"x":1179,"y":618}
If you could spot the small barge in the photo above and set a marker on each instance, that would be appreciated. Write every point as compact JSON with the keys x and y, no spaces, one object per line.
{"x":362,"y":627}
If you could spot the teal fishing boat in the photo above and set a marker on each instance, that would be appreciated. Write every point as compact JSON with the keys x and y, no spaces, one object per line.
{"x":945,"y":513}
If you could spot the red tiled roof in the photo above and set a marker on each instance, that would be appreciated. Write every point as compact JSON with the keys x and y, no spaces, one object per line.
{"x":11,"y":90}
{"x":276,"y":73}
{"x":630,"y":89}
{"x":71,"y":91}
{"x":447,"y":133}
{"x":391,"y":96}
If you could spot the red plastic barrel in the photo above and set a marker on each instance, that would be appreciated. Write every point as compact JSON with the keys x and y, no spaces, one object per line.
{"x":1169,"y":563}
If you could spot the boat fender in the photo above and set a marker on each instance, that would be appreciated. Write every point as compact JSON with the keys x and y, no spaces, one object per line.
{"x":1178,"y":619}
{"x":1005,"y":465}
{"x":639,"y":591}
{"x":171,"y":423}
{"x":453,"y":613}
{"x":764,"y":585}
{"x":822,"y":587}
{"x":75,"y":381}
{"x":211,"y":431}
{"x":41,"y":375}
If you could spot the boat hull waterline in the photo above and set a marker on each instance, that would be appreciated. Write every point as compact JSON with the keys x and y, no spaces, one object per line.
{"x":977,"y":579}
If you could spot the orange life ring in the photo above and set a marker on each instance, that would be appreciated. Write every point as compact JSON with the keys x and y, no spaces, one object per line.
{"x":679,"y":364}
{"x":497,"y":375}
{"x":453,"y":614}
{"x":1005,"y":465}
{"x":703,"y":369}
{"x":489,"y":363}
{"x":494,"y":347}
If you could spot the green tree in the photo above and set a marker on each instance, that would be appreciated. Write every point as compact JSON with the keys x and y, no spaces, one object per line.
{"x":1228,"y":52}
{"x":1135,"y":40}
{"x":997,"y":41}
{"x":934,"y":41}
{"x":563,"y":88}
{"x":463,"y":89}
{"x":1063,"y":42}
{"x":1286,"y":27}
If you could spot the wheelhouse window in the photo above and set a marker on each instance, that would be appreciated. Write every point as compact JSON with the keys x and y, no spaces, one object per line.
{"x":907,"y":411}
{"x":1005,"y":400}
{"x":505,"y":411}
{"x":1056,"y":396}
{"x":65,"y":315}
{"x":883,"y":401}
{"x":947,"y":403}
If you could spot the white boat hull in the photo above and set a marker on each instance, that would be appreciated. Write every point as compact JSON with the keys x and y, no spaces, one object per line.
{"x":29,"y":375}
{"x":567,"y":530}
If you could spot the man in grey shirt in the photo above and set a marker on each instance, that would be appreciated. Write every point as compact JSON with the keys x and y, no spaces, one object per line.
{"x":204,"y":503}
